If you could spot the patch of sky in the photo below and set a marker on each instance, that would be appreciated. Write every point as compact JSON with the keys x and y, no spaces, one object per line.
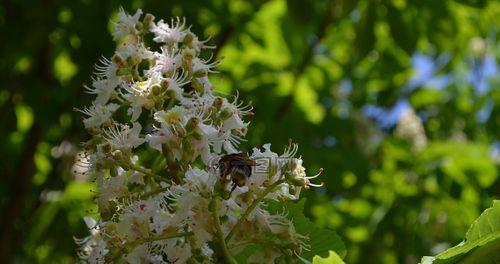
{"x":425,"y":68}
{"x":483,"y":115}
{"x":479,"y":74}
{"x":386,"y":117}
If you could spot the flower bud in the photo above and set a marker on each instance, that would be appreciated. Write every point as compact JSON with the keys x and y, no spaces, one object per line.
{"x":188,"y":38}
{"x":89,"y":145}
{"x":298,"y":182}
{"x":267,"y":183}
{"x":139,"y":26}
{"x":217,"y":103}
{"x":106,"y":148}
{"x":170,"y":93}
{"x":118,"y":60}
{"x":113,"y":171}
{"x":179,"y":129}
{"x":113,"y":95}
{"x":156,"y":90}
{"x":211,"y":205}
{"x":149,"y":104}
{"x":123,"y":189}
{"x":197,"y":85}
{"x":108,"y":211}
{"x":158,"y":104}
{"x":118,"y":155}
{"x":134,"y":60}
{"x":123,"y":71}
{"x":94,"y":130}
{"x":128,"y":77}
{"x":110,"y":227}
{"x":148,"y":20}
{"x":225,"y":114}
{"x":164,"y":84}
{"x":289,"y":176}
{"x":192,"y":124}
{"x":188,"y":55}
{"x":197,"y":135}
{"x":226,"y":195}
{"x":200,"y":73}
{"x":219,"y":187}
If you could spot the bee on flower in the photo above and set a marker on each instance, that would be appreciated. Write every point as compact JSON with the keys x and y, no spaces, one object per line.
{"x":156,"y":127}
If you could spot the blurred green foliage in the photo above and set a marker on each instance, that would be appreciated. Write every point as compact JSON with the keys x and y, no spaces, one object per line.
{"x":339,"y":77}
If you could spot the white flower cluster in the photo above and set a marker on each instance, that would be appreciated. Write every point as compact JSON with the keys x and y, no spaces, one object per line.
{"x":410,"y":127}
{"x":157,"y":127}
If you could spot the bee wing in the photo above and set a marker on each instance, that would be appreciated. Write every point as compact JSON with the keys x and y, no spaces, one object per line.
{"x":241,"y":159}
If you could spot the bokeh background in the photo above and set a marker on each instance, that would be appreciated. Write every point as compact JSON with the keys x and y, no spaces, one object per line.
{"x":398,"y":100}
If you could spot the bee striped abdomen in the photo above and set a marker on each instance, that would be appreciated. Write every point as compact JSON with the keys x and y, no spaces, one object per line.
{"x":238,"y":165}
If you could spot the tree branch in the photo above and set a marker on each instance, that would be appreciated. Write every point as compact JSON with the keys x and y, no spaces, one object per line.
{"x":21,"y":184}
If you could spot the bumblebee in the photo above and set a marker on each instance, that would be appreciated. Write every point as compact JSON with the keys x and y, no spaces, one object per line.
{"x":238,"y":165}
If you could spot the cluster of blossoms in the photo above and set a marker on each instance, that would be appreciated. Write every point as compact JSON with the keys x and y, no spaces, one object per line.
{"x":158,"y":133}
{"x":410,"y":127}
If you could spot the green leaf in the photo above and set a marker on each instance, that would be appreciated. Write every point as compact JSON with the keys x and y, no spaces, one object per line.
{"x":322,"y":240}
{"x":25,"y":117}
{"x":243,"y":255}
{"x":425,"y":97}
{"x":64,"y":68}
{"x":474,"y":3}
{"x":464,"y":163}
{"x":481,"y":244}
{"x":333,"y":258}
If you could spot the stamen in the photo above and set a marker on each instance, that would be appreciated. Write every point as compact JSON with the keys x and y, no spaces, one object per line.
{"x":315,"y":185}
{"x":315,"y":176}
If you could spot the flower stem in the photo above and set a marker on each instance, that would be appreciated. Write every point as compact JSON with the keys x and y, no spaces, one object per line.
{"x":225,"y":251}
{"x":173,"y":167}
{"x":146,"y":172}
{"x":251,"y":208}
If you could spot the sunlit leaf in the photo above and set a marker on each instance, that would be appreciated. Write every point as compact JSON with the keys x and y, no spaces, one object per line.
{"x":24,"y":116}
{"x":481,"y":244}
{"x":333,"y":258}
{"x":64,"y":68}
